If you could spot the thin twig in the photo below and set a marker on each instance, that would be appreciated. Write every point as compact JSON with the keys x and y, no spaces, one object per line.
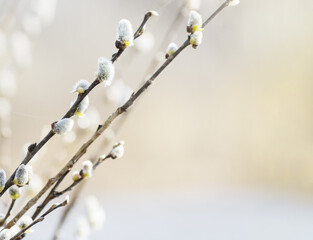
{"x":74,"y":198}
{"x":54,"y":193}
{"x":34,"y":148}
{"x":8,"y":212}
{"x":40,"y":219}
{"x":83,"y":149}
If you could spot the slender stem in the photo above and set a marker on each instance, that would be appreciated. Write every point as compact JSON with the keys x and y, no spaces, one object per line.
{"x":217,"y":11}
{"x":36,"y":147}
{"x":74,"y":198}
{"x":8,"y":212}
{"x":83,"y":149}
{"x":40,"y":219}
{"x":54,"y":193}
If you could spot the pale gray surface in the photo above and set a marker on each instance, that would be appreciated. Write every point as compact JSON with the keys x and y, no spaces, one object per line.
{"x":201,"y":214}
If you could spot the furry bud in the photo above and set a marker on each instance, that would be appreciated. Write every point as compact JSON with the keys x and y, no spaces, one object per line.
{"x":105,"y":71}
{"x":76,"y":176}
{"x":196,"y":39}
{"x":87,"y":169}
{"x":5,"y":234}
{"x":118,"y":150}
{"x":82,"y":107}
{"x":81,"y":86}
{"x":172,"y":47}
{"x":21,"y":176}
{"x":125,"y":34}
{"x":194,"y":22}
{"x":24,"y":222}
{"x":63,"y":126}
{"x":14,"y":192}
{"x":2,"y":179}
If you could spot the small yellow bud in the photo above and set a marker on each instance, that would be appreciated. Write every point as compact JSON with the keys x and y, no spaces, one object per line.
{"x":14,"y":192}
{"x":194,"y":22}
{"x":196,"y":39}
{"x":76,"y":176}
{"x":87,"y":169}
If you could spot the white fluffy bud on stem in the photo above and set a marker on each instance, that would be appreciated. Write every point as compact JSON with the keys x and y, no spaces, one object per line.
{"x":118,"y":150}
{"x":194,"y":22}
{"x":63,"y":126}
{"x":14,"y":192}
{"x":86,"y":172}
{"x":196,"y":39}
{"x":81,"y":86}
{"x":125,"y":34}
{"x":82,"y":107}
{"x":5,"y":234}
{"x":2,"y":179}
{"x":172,"y":47}
{"x":105,"y":71}
{"x":21,"y":175}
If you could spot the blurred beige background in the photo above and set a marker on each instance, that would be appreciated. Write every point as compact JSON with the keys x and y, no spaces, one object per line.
{"x":234,"y":114}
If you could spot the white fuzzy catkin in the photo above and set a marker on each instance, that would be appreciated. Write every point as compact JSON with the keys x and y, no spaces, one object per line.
{"x":14,"y":192}
{"x":125,"y":34}
{"x":83,"y":229}
{"x":196,"y":39}
{"x":87,"y":169}
{"x":2,"y":179}
{"x":63,"y":126}
{"x":172,"y":47}
{"x":82,"y":107}
{"x":194,"y":22}
{"x":233,"y":2}
{"x":81,"y":86}
{"x":5,"y":234}
{"x":24,"y":222}
{"x":118,"y":150}
{"x":105,"y":71}
{"x":95,"y":212}
{"x":21,"y":175}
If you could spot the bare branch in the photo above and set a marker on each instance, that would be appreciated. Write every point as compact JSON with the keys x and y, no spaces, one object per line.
{"x":8,"y":212}
{"x":40,"y":219}
{"x":83,"y":149}
{"x":36,"y":147}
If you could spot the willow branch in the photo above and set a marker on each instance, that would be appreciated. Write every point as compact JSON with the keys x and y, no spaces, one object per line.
{"x":54,"y":193}
{"x":8,"y":212}
{"x":74,"y":198}
{"x":40,"y":219}
{"x":83,"y":149}
{"x":34,"y":148}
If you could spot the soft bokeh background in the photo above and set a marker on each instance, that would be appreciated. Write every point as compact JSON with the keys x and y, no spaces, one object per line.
{"x":219,"y":147}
